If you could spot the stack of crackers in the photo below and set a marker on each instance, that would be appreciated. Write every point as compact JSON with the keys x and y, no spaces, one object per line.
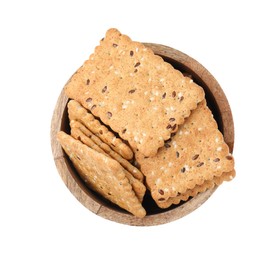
{"x":137,"y":123}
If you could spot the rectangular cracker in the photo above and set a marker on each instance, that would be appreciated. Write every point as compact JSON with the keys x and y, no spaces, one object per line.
{"x":95,"y":141}
{"x":135,"y":92}
{"x":209,"y":184}
{"x":137,"y":186}
{"x":195,"y":154}
{"x":79,"y":113}
{"x":79,"y":135}
{"x":102,"y":174}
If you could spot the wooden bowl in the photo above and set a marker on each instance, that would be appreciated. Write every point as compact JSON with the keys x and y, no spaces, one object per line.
{"x":217,"y":102}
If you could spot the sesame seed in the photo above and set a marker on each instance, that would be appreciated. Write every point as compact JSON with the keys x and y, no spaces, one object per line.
{"x":158,"y":181}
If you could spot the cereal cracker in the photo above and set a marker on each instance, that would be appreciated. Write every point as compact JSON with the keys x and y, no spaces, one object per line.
{"x":104,"y":147}
{"x":77,"y":112}
{"x":135,"y":92}
{"x":195,"y":154}
{"x":102,"y":174}
{"x":209,"y":184}
{"x":79,"y":135}
{"x":137,"y":186}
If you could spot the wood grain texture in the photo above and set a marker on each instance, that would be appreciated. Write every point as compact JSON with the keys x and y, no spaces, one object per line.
{"x":217,"y":102}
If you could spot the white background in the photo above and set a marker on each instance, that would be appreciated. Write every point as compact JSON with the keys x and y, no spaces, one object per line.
{"x":43,"y":42}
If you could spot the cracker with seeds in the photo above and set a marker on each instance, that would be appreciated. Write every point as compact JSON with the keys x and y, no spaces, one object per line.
{"x":77,"y":112}
{"x":79,"y":135}
{"x":195,"y":154}
{"x":137,"y":185}
{"x":88,"y":138}
{"x":102,"y":174}
{"x":135,"y":92}
{"x":209,"y":184}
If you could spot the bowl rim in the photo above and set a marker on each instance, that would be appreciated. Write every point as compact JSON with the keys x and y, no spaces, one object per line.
{"x":213,"y":92}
